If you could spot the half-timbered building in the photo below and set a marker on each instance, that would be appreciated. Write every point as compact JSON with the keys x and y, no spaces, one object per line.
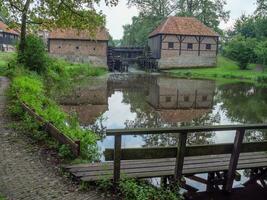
{"x":184,"y":42}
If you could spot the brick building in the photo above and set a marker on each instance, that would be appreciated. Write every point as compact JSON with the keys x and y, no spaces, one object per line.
{"x":184,"y":42}
{"x":79,"y":46}
{"x":8,"y":38}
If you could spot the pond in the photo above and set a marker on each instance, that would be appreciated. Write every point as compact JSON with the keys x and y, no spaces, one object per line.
{"x":153,"y":100}
{"x":149,"y":101}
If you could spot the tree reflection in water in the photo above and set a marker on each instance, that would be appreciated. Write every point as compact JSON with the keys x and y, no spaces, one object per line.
{"x":150,"y":101}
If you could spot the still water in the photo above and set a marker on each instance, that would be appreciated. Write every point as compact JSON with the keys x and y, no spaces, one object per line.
{"x":149,"y":101}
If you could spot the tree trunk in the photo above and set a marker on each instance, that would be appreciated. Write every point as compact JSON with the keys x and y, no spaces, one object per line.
{"x":23,"y":31}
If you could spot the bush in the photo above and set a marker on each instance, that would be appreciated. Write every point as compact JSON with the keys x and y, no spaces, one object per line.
{"x":241,"y":49}
{"x":34,"y":57}
{"x":30,"y":89}
{"x":133,"y":190}
{"x":261,"y":52}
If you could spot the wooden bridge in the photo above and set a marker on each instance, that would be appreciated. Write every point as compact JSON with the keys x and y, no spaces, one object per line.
{"x":220,"y":161}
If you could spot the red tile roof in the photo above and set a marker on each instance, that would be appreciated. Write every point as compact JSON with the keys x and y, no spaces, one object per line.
{"x":5,"y":28}
{"x":183,"y":26}
{"x":101,"y":34}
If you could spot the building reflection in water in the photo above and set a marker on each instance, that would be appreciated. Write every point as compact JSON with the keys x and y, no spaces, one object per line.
{"x":152,"y":101}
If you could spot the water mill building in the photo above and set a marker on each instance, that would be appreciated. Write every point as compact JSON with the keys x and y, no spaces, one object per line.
{"x":184,"y":42}
{"x":79,"y":46}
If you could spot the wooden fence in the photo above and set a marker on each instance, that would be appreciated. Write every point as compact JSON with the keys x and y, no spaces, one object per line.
{"x":53,"y":131}
{"x":181,"y":151}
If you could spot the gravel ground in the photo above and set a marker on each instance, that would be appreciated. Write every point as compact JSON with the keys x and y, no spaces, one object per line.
{"x":26,"y":172}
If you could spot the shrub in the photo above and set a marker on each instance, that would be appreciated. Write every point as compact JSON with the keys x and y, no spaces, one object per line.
{"x":30,"y":89}
{"x":34,"y":57}
{"x":261,"y":52}
{"x":241,"y":49}
{"x":133,"y":190}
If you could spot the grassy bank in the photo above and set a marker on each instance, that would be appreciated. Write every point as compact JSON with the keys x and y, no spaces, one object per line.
{"x":226,"y":69}
{"x":33,"y":89}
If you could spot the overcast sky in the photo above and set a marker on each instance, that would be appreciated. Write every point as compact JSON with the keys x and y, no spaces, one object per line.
{"x":121,"y":14}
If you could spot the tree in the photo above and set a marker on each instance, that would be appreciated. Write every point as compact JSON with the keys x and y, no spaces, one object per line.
{"x":261,"y":52}
{"x":210,"y":12}
{"x":261,"y":8}
{"x":159,"y":8}
{"x":152,"y":12}
{"x":241,"y":49}
{"x":53,"y":13}
{"x":136,"y":34}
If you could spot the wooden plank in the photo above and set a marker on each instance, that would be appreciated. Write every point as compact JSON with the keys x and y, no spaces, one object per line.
{"x":170,"y":172}
{"x":188,"y":160}
{"x":179,"y":163}
{"x":234,"y":160}
{"x":117,"y":159}
{"x":190,"y":168}
{"x":177,"y":130}
{"x":171,"y":152}
{"x":53,"y":131}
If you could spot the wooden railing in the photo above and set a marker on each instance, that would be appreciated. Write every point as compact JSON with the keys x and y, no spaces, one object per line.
{"x":53,"y":131}
{"x":182,"y":150}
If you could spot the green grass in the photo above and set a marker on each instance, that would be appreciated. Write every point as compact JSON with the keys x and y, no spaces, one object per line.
{"x":226,"y":69}
{"x":2,"y":197}
{"x":5,"y":58}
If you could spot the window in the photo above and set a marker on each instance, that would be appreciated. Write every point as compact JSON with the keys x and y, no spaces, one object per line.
{"x":170,"y":45}
{"x":190,"y":46}
{"x":208,"y":46}
{"x":77,"y":47}
{"x":204,"y":98}
{"x":94,"y":49}
{"x":1,"y":34}
{"x":186,"y":98}
{"x":59,"y":47}
{"x":168,"y":99}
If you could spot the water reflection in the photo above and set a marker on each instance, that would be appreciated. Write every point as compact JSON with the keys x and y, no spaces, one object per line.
{"x":141,"y":100}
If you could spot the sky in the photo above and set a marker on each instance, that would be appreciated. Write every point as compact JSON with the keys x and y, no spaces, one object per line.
{"x":120,"y":15}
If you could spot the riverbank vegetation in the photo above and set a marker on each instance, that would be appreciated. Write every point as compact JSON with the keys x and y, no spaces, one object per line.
{"x":31,"y":85}
{"x":31,"y":82}
{"x":225,"y":69}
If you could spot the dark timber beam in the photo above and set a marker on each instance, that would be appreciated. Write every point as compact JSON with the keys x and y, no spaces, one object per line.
{"x":234,"y":160}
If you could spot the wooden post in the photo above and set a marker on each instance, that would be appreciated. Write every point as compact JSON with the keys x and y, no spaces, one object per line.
{"x":181,"y":146}
{"x":117,"y":159}
{"x":230,"y":176}
{"x":210,"y":184}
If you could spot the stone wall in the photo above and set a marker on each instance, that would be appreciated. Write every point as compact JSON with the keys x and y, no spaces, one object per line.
{"x":81,"y":51}
{"x":171,"y":58}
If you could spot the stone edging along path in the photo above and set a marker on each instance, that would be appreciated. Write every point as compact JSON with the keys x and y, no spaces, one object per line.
{"x":25,"y":173}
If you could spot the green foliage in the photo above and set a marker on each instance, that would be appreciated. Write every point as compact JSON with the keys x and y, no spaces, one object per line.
{"x":65,"y":152}
{"x":153,"y":12}
{"x":226,"y":68}
{"x":30,"y":89}
{"x":49,"y":14}
{"x":133,"y":190}
{"x":261,"y":52}
{"x":210,"y":12}
{"x":136,"y":34}
{"x":241,"y":49}
{"x":34,"y":56}
{"x":261,"y":7}
{"x":5,"y":58}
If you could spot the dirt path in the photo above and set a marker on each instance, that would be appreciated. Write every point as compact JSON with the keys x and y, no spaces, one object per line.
{"x":24,"y":173}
